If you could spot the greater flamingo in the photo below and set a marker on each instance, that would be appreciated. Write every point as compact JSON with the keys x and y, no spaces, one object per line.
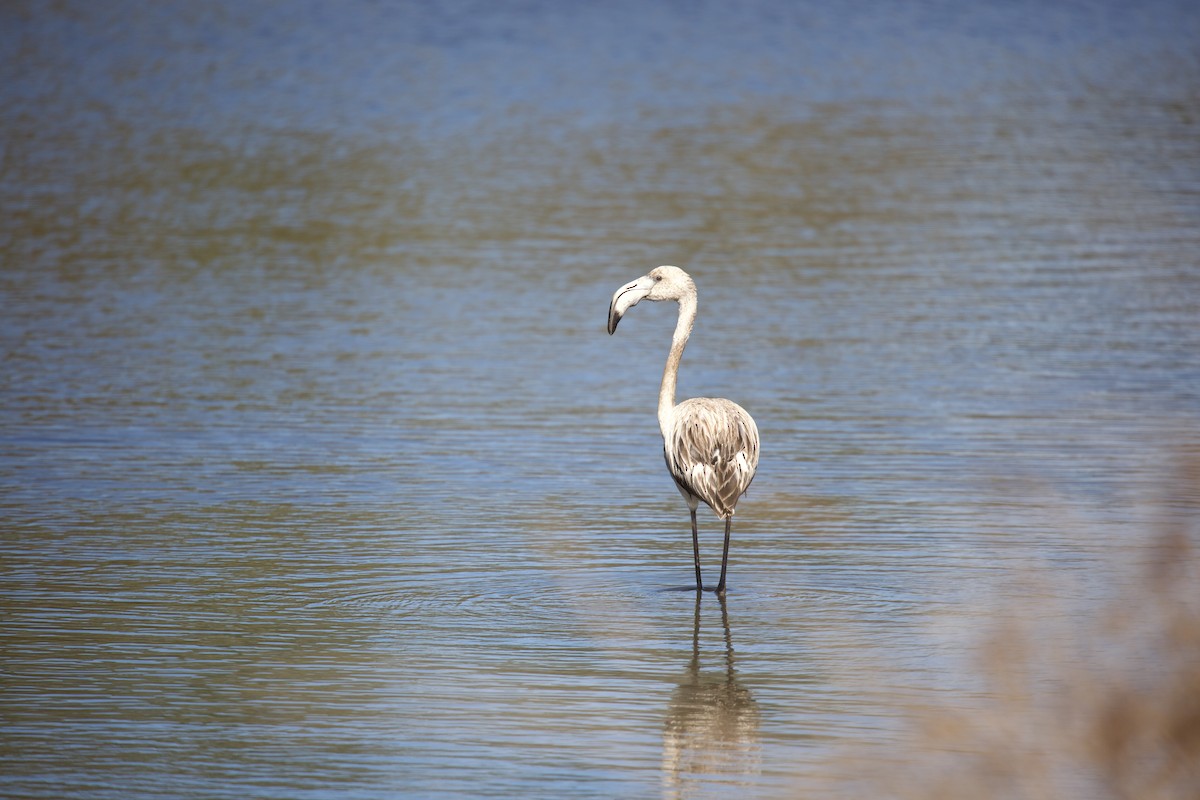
{"x":710,"y":444}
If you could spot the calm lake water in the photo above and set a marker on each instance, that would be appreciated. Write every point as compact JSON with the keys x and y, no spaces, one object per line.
{"x":319,"y":476}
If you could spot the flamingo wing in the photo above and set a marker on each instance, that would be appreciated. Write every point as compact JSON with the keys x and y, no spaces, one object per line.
{"x":712,"y":451}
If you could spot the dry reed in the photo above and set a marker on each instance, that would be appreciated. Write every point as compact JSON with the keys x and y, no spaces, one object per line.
{"x":1101,"y":703}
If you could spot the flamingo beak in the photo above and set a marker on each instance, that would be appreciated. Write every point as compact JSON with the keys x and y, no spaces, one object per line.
{"x":626,"y":298}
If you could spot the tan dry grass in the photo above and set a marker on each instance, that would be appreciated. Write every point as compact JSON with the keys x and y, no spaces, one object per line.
{"x":1097,"y":704}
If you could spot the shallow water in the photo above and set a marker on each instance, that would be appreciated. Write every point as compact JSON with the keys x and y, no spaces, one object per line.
{"x":320,"y":477}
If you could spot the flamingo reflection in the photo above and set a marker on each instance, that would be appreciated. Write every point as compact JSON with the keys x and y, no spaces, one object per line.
{"x":712,"y":729}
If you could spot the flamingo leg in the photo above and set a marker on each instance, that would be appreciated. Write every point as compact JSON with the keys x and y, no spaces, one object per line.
{"x":696,"y":552}
{"x":724,"y":557}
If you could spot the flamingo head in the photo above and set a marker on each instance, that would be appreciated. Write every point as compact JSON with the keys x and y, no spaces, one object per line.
{"x":661,"y":283}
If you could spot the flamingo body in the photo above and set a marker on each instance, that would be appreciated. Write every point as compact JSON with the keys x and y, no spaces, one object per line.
{"x":711,"y":449}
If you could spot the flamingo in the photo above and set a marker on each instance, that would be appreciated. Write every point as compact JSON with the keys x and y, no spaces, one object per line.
{"x":710,"y":444}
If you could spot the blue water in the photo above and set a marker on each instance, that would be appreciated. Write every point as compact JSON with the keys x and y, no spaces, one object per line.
{"x":319,"y":476}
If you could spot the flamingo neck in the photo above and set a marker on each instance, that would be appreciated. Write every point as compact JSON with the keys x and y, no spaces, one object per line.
{"x":683,"y":329}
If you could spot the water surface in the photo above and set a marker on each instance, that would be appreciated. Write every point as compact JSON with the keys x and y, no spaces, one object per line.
{"x":319,"y":476}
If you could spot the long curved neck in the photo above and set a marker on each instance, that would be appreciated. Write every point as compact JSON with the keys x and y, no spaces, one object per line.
{"x":683,"y":329}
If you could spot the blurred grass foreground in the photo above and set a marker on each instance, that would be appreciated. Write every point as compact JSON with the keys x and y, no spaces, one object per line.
{"x":1100,"y":701}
